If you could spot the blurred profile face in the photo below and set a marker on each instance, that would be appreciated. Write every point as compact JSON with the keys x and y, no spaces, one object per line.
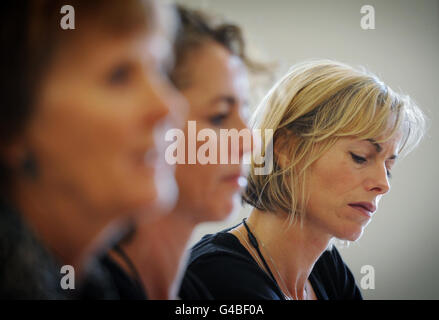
{"x":346,"y":184}
{"x":93,"y":132}
{"x":217,"y":93}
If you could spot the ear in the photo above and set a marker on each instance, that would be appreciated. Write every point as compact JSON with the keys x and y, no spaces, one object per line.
{"x":282,"y":158}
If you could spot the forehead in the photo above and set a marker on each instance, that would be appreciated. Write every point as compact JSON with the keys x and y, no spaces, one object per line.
{"x":382,"y":144}
{"x":135,"y":20}
{"x":212,"y":69}
{"x":97,"y":49}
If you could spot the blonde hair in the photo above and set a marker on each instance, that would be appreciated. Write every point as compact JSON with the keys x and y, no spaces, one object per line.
{"x":309,"y":109}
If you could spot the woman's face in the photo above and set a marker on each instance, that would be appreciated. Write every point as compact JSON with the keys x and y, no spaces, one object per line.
{"x":217,"y":92}
{"x":346,"y":184}
{"x":92,"y":135}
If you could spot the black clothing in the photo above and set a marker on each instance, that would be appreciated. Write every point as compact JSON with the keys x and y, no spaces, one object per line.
{"x":127,"y":287}
{"x":123,"y":285}
{"x":228,"y":271}
{"x":98,"y":283}
{"x":29,"y":271}
{"x":193,"y":289}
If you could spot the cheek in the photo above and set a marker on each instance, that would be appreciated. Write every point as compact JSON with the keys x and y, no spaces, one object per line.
{"x":203,"y":190}
{"x":203,"y":193}
{"x":84,"y":139}
{"x":84,"y":145}
{"x":330,"y":186}
{"x":196,"y":182}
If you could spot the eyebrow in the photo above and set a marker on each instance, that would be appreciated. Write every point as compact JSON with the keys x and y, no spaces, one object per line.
{"x":379,"y":148}
{"x":376,"y":145}
{"x":229,"y":100}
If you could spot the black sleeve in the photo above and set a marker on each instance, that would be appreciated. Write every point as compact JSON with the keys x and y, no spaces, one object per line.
{"x":337,"y":279}
{"x":227,"y":277}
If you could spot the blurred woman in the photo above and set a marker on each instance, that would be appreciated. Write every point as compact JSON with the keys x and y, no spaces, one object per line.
{"x":211,"y":73}
{"x":78,"y":115}
{"x":337,"y":134}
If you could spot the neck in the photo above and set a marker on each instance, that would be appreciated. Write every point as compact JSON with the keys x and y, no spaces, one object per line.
{"x":291,"y":252}
{"x":60,"y":225}
{"x":159,"y":254}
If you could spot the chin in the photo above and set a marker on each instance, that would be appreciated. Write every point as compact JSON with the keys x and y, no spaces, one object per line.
{"x":221,"y":211}
{"x":350,"y":234}
{"x":353,"y":238}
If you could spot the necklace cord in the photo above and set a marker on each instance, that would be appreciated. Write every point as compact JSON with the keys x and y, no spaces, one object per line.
{"x":254,"y":243}
{"x":122,"y":254}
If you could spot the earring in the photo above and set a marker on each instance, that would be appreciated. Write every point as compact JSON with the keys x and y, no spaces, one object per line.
{"x":29,"y":166}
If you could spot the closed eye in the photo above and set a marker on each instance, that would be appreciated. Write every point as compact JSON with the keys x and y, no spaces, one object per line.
{"x":218,"y":120}
{"x":361,"y":160}
{"x":358,"y":159}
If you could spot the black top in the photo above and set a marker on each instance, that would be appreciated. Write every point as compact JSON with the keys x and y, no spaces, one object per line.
{"x":127,"y":287}
{"x":192,"y":288}
{"x":29,"y":271}
{"x":227,"y":270}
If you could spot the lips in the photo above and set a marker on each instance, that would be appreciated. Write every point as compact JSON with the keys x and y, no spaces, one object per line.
{"x":368,"y":206}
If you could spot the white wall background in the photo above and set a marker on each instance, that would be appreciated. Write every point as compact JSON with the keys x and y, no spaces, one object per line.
{"x":402,"y":241}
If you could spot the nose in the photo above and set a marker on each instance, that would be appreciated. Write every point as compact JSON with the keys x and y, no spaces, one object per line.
{"x":379,"y":181}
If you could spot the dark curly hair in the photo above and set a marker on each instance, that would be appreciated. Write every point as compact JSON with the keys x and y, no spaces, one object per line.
{"x":197,"y":28}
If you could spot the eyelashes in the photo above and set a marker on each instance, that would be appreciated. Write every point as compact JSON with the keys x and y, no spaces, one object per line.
{"x":218,"y":120}
{"x":361,"y":160}
{"x":358,"y":159}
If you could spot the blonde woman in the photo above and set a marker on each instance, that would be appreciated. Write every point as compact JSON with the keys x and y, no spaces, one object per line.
{"x":337,"y":134}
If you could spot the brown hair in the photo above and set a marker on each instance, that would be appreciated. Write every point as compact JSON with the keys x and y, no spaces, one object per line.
{"x":196,"y":29}
{"x":30,"y":35}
